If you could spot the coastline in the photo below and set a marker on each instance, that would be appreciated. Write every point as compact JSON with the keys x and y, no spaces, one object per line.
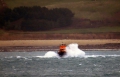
{"x":53,"y":45}
{"x":39,"y":50}
{"x":56,"y":42}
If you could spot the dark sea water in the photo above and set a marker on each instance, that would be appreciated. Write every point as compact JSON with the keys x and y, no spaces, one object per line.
{"x":29,"y":64}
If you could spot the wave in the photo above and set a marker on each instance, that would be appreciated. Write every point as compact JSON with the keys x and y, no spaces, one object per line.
{"x":72,"y":50}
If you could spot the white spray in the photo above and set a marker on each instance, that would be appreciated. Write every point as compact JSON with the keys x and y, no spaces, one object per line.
{"x":72,"y":50}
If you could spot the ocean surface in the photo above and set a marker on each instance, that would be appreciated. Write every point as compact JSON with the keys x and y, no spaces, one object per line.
{"x":32,"y":64}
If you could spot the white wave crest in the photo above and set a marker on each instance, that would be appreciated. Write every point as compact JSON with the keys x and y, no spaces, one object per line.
{"x":72,"y":50}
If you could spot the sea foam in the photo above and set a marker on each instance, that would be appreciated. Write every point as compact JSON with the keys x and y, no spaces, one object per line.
{"x":72,"y":50}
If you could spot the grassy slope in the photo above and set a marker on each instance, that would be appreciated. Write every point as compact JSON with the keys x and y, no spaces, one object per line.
{"x":88,"y":30}
{"x":86,"y":9}
{"x":67,"y":31}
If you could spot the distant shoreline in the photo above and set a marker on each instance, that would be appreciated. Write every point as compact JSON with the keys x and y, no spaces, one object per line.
{"x":39,"y":50}
{"x":57,"y":42}
{"x":53,"y":45}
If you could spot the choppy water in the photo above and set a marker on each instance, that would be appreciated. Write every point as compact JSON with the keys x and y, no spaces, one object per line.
{"x":27,"y":64}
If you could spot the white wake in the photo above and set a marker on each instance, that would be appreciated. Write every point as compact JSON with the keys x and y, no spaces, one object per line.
{"x":72,"y":50}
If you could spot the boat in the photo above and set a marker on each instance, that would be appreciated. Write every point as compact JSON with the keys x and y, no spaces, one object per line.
{"x":62,"y":50}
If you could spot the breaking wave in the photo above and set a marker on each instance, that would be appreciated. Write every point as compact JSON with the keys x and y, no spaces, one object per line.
{"x":72,"y":50}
